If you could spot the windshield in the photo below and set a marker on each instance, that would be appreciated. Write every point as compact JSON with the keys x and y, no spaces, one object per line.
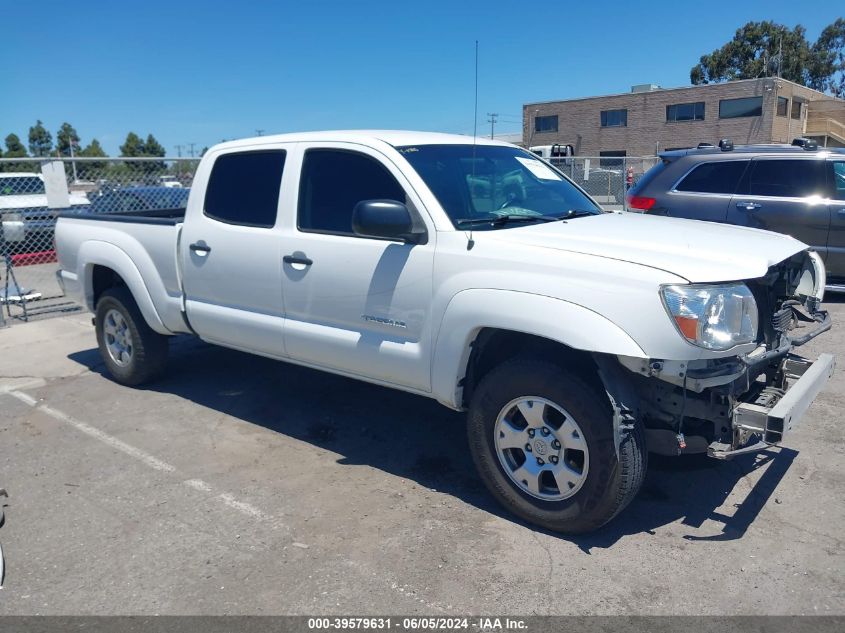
{"x":474,"y":183}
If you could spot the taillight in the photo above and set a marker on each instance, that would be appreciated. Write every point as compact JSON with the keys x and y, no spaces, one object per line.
{"x":641,"y":202}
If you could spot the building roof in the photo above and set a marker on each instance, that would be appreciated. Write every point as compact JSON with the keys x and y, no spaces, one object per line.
{"x":679,"y":88}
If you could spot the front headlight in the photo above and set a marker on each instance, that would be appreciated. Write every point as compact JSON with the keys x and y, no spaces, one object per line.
{"x":713,"y":317}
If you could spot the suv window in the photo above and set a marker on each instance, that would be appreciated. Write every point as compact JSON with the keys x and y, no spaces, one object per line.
{"x":21,"y":186}
{"x":244,"y":188}
{"x":333,"y":182}
{"x":837,"y":172}
{"x":785,"y":178}
{"x":714,"y":177}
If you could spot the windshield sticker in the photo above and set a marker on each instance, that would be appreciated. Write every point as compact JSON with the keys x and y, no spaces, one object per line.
{"x":538,"y":168}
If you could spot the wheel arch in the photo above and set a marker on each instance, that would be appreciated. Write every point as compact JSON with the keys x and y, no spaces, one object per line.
{"x":105,"y":266}
{"x":481,"y":328}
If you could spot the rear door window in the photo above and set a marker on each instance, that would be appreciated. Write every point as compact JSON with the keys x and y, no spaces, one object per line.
{"x":785,"y":178}
{"x":244,"y":188}
{"x":714,"y":177}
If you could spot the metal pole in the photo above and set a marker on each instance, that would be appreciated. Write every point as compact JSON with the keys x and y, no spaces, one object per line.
{"x":72,"y":161}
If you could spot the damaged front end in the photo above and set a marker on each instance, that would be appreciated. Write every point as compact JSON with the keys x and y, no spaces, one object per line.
{"x":727,"y":406}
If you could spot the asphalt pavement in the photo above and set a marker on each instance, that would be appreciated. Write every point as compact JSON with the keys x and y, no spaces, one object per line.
{"x":241,"y":485}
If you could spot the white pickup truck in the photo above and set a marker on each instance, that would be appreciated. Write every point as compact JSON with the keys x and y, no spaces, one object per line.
{"x":477,"y":274}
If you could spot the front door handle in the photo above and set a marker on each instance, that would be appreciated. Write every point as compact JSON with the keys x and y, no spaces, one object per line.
{"x":296,"y":259}
{"x":200,"y":248}
{"x":748,"y":206}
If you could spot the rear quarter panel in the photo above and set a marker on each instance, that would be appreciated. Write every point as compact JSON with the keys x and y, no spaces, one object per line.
{"x":144,"y":255}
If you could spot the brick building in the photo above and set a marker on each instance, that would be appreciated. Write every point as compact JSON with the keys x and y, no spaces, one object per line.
{"x":650,"y":119}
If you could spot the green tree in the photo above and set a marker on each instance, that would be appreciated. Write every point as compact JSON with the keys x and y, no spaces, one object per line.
{"x":152,"y":147}
{"x":67,"y":138}
{"x":827,"y":67}
{"x":93,"y":169}
{"x":764,"y":49}
{"x":15,"y":149}
{"x":133,"y":147}
{"x":40,"y":140}
{"x":93,"y":150}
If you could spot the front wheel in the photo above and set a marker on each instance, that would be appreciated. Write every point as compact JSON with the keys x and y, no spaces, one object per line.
{"x":543,"y":442}
{"x":132,"y":351}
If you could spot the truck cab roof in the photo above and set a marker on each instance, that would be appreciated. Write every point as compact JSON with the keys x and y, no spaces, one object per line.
{"x":396,"y":138}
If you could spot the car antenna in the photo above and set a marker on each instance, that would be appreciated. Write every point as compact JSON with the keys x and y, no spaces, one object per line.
{"x":471,"y":242}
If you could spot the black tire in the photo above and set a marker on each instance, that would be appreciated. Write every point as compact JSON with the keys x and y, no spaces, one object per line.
{"x":611,"y":481}
{"x":149,"y":348}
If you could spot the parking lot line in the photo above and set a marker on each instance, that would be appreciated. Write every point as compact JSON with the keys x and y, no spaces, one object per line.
{"x":146,"y":458}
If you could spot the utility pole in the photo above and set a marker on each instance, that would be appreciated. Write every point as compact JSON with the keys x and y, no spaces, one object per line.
{"x":259,"y":132}
{"x":492,"y":121}
{"x":178,"y":162}
{"x":192,"y":149}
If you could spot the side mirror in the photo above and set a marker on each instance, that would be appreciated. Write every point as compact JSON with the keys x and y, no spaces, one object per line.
{"x":386,"y":219}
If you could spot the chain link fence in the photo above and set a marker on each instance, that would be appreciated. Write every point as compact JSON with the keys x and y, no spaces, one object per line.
{"x":34,"y":191}
{"x":606,"y":179}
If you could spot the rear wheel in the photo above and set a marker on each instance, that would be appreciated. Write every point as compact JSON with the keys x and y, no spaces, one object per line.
{"x":543,"y":442}
{"x":132,"y":351}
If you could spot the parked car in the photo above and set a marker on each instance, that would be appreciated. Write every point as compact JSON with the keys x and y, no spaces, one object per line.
{"x":577,"y":340}
{"x":135,"y":199}
{"x":170,"y":181}
{"x":27,"y":220}
{"x":794,"y":189}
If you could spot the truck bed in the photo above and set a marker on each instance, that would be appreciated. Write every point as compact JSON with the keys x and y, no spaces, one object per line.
{"x":142,"y":245}
{"x":153,"y":216}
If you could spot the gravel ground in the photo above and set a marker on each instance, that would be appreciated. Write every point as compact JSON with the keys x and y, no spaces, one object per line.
{"x":240,"y":485}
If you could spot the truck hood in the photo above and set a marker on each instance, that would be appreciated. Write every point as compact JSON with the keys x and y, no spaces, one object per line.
{"x":698,"y":251}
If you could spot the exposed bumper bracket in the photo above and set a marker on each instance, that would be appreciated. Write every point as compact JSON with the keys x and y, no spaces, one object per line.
{"x":773,"y":422}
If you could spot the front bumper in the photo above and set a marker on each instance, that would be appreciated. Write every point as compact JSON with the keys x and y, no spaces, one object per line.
{"x":772,"y":416}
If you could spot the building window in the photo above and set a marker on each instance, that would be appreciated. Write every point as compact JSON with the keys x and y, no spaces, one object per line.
{"x":685,"y":111}
{"x":783,"y":106}
{"x":735,"y":108}
{"x":608,"y":158}
{"x":796,"y":109}
{"x":614,"y":118}
{"x":545,"y":123}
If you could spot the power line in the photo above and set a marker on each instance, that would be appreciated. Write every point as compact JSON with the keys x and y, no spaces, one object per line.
{"x":492,"y":121}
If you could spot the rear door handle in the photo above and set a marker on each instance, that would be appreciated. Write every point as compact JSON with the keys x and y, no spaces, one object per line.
{"x":748,"y":206}
{"x":200,"y":249}
{"x":295,"y":259}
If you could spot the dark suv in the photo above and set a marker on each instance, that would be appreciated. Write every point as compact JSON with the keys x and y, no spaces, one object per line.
{"x":795,"y":189}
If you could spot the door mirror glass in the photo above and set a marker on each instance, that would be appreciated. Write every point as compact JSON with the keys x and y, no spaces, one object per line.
{"x":388,"y":219}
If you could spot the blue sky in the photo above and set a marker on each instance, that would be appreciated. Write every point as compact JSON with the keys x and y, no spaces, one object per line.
{"x":191,"y":71}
